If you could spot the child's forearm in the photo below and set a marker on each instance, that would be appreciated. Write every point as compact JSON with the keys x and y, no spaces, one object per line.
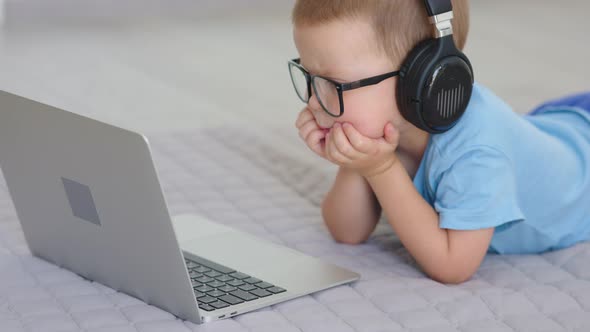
{"x":416,"y":224}
{"x":350,"y":210}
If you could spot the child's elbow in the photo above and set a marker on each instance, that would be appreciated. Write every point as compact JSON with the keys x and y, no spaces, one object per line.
{"x":343,"y":234}
{"x":451,"y":275}
{"x":340,"y":228}
{"x":348,"y":238}
{"x":451,"y":278}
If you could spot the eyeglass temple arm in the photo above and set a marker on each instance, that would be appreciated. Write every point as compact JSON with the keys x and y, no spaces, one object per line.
{"x":368,"y":81}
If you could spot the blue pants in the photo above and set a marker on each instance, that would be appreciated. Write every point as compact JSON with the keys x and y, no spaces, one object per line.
{"x":581,"y":100}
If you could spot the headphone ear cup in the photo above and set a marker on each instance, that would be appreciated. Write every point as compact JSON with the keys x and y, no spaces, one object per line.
{"x":434,"y":85}
{"x":446,"y":94}
{"x":409,"y":80}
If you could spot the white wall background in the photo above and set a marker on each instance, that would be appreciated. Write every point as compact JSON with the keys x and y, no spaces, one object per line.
{"x":156,"y":65}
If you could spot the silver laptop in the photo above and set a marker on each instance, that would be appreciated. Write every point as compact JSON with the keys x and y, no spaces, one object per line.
{"x":89,"y":200}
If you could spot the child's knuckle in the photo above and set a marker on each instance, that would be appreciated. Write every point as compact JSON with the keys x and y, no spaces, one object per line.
{"x":345,"y":149}
{"x":359,"y":144}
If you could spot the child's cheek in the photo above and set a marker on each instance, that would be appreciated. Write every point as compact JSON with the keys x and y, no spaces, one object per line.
{"x":368,"y":128}
{"x":373,"y":131}
{"x":367,"y":117}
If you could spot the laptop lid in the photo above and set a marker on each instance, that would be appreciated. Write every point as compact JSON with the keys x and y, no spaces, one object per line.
{"x":89,"y":199}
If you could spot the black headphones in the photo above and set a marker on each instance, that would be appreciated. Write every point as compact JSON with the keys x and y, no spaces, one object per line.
{"x":436,"y":78}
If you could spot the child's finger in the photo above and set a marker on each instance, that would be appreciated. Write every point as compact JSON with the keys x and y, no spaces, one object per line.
{"x":307,"y":128}
{"x":314,"y":141}
{"x":332,"y":151}
{"x":317,"y":149}
{"x":391,"y":133}
{"x":358,"y":141}
{"x":337,"y":157}
{"x":303,"y":117}
{"x":342,"y":143}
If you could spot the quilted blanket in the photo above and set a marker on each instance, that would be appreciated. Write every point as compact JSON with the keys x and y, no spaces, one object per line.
{"x":247,"y":183}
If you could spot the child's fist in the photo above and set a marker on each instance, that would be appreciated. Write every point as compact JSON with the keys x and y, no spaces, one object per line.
{"x":310,"y":132}
{"x":346,"y":147}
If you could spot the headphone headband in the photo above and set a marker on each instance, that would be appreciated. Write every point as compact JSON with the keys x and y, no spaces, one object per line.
{"x":436,"y":7}
{"x":440,"y":14}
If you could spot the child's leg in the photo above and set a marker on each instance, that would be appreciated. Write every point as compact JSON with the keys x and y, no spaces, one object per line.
{"x":581,"y":100}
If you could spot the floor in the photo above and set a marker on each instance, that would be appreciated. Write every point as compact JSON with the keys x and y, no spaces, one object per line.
{"x":221,"y":67}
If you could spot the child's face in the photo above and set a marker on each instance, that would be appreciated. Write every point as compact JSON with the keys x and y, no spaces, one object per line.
{"x":346,"y":50}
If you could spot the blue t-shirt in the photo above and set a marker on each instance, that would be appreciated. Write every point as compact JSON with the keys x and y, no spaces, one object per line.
{"x":526,"y":175}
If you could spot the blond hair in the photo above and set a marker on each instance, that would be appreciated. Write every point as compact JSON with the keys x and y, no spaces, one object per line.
{"x":398,"y":24}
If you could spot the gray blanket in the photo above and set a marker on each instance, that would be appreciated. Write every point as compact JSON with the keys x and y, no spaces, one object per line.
{"x":249,"y":184}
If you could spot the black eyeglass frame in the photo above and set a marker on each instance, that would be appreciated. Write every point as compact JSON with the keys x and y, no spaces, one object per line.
{"x":340,"y":87}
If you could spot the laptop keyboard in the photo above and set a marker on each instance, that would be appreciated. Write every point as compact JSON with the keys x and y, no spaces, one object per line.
{"x":217,"y":286}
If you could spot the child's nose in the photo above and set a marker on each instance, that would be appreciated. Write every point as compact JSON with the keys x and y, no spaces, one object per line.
{"x":322,"y":118}
{"x":314,"y":103}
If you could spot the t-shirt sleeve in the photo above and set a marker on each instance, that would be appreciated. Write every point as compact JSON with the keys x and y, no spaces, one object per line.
{"x":477,"y":191}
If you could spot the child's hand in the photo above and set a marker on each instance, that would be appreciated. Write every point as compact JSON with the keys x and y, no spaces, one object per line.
{"x":310,"y":132}
{"x":348,"y":148}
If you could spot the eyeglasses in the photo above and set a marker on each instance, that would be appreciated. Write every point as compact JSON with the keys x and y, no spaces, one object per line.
{"x":327,"y":91}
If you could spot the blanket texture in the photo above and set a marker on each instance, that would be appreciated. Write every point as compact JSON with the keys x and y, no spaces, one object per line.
{"x":247,"y":183}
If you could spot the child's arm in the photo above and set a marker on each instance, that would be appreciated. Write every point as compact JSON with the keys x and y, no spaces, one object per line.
{"x":448,"y":256}
{"x":445,"y":255}
{"x":350,"y":210}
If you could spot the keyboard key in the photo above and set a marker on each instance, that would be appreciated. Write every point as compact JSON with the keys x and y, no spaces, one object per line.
{"x":206,"y":307}
{"x":201,"y":269}
{"x":235,"y":282}
{"x":230,"y":299}
{"x":212,"y":265}
{"x":276,"y":290}
{"x":191,"y":265}
{"x":239,"y":275}
{"x":216,"y":293}
{"x":216,"y":284}
{"x":264,"y":285}
{"x":199,"y":294}
{"x":212,"y":274}
{"x":252,"y":280}
{"x":247,"y":287}
{"x":195,"y":274}
{"x":224,"y":278}
{"x":204,"y":288}
{"x":207,"y":299}
{"x":259,"y":292}
{"x":227,"y":288}
{"x":196,"y":283}
{"x":244,"y":295}
{"x":204,"y":279}
{"x":219,"y":304}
